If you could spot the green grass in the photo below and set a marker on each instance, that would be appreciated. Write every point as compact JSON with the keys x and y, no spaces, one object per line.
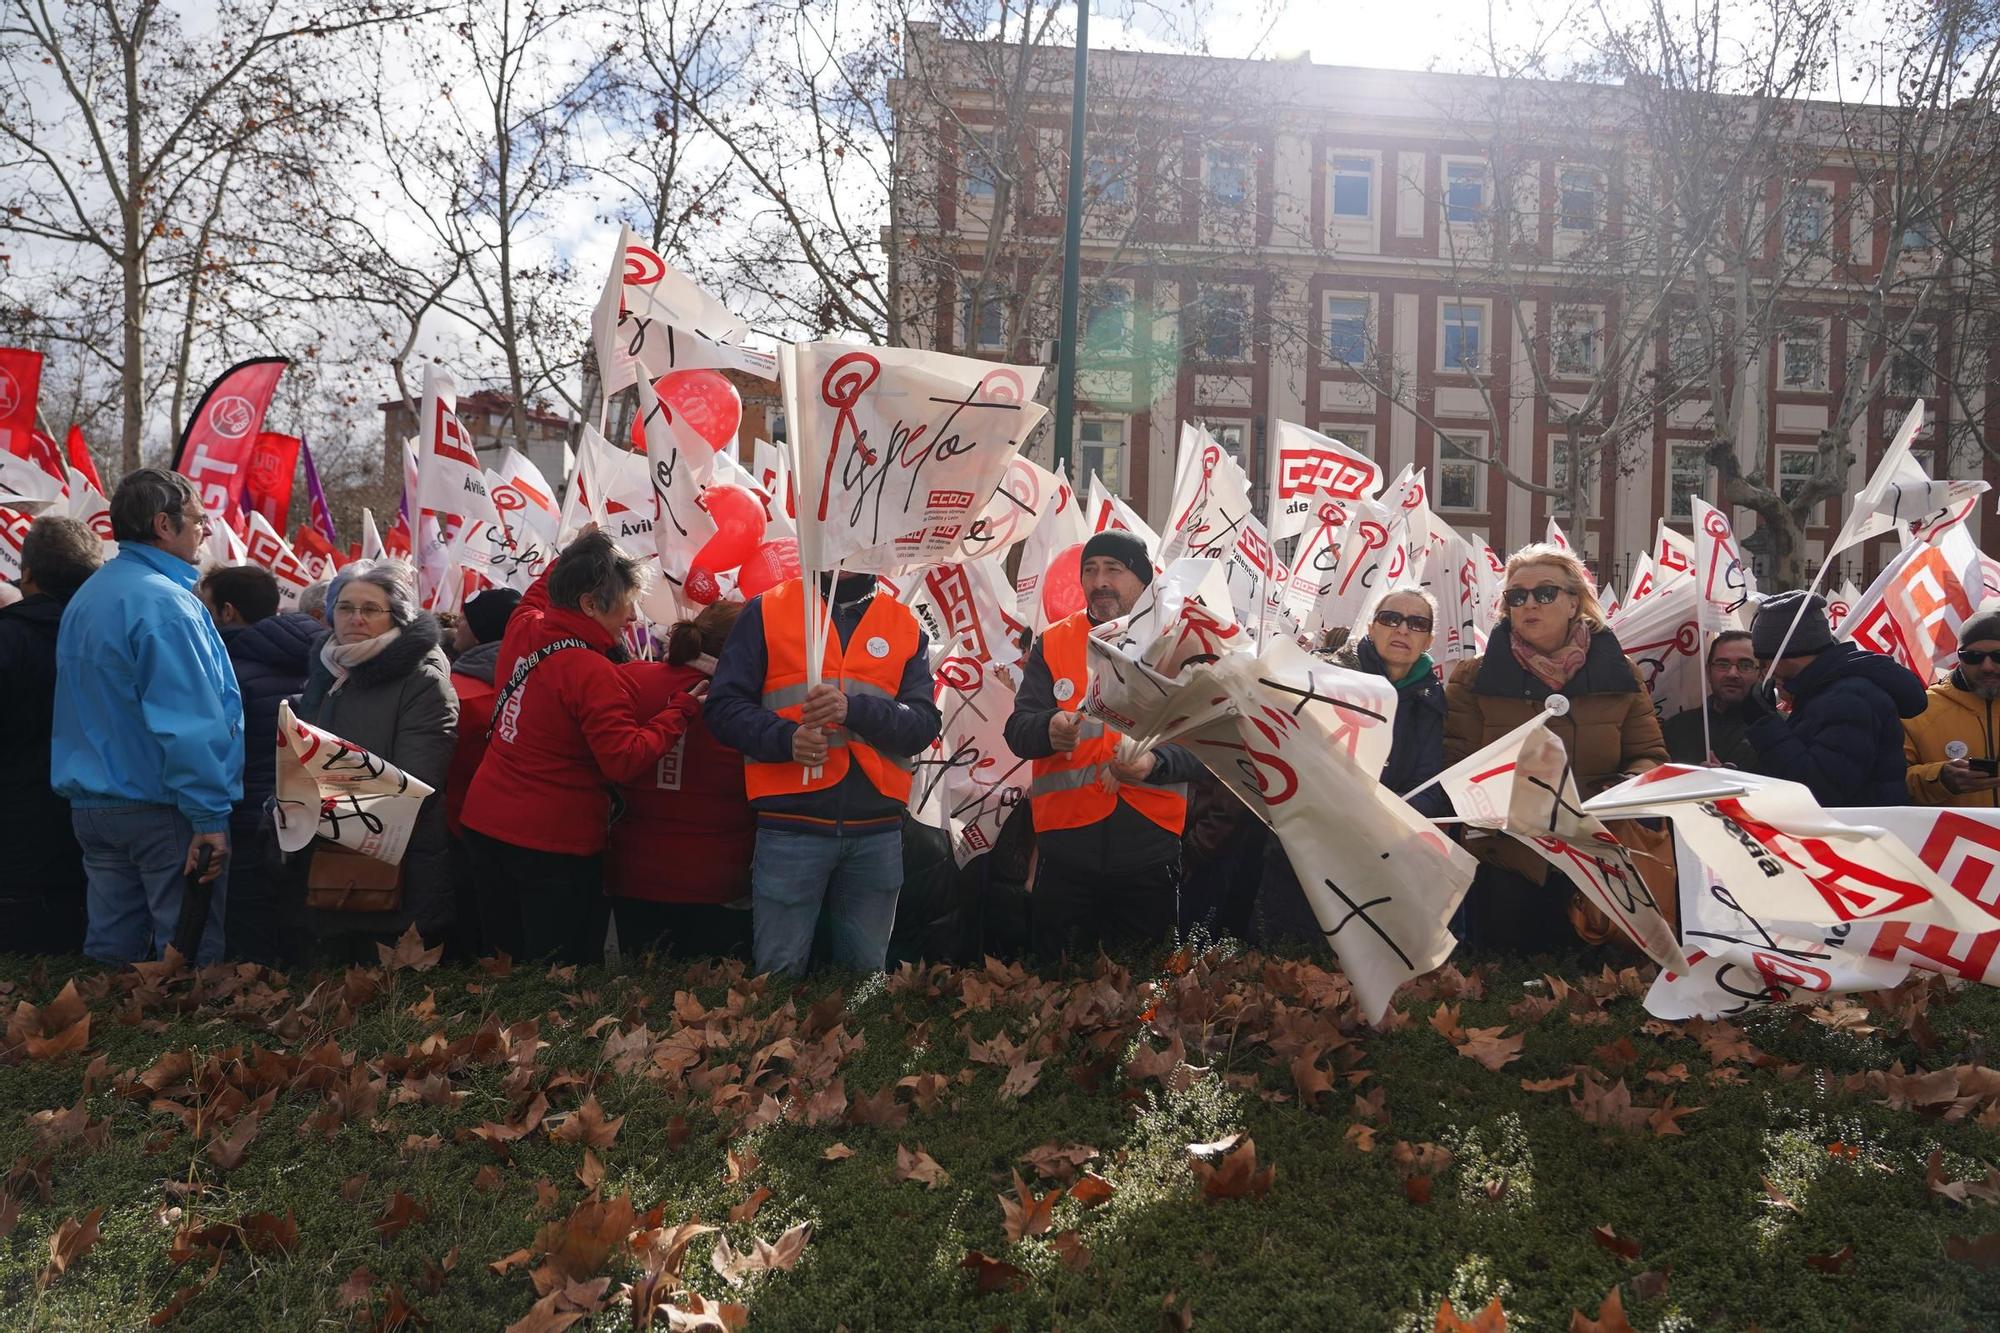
{"x":1337,"y":1243}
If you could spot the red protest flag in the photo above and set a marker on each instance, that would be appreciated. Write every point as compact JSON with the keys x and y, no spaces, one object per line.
{"x":80,"y":458}
{"x":222,"y":431}
{"x":20,"y":389}
{"x":267,"y":488}
{"x":42,"y":452}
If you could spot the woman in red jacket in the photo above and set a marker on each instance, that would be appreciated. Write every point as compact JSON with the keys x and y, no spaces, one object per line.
{"x":678,"y":866}
{"x":565,"y":729}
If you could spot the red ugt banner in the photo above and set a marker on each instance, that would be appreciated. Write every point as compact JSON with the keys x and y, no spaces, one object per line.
{"x":268,"y":488}
{"x":20,"y":387}
{"x":222,"y":432}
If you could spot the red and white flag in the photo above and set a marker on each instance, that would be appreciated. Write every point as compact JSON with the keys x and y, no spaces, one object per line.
{"x":1661,"y":635}
{"x":1104,"y":511}
{"x":1315,"y":561}
{"x":651,"y":320}
{"x":1555,"y":536}
{"x":20,"y":392}
{"x":525,"y":501}
{"x":1912,"y":612}
{"x":221,"y":433}
{"x":267,"y":487}
{"x":1308,"y":467}
{"x":1056,"y":535}
{"x":1841,"y":603}
{"x":1673,"y":554}
{"x":969,"y":770}
{"x":1963,"y":848}
{"x":1643,"y":580}
{"x":1374,"y":554}
{"x":451,"y":491}
{"x":1212,"y":519}
{"x":1722,"y":576}
{"x":264,"y":546}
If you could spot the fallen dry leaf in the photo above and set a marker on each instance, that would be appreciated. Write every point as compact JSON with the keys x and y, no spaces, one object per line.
{"x":1491,"y":1049}
{"x":839,"y":1152}
{"x":746,"y":1210}
{"x":1026,"y":1214}
{"x":1070,"y":1251}
{"x":587,"y":1125}
{"x":993,"y":1274}
{"x":1979,"y":1251}
{"x":172,"y":1310}
{"x":737,"y":1166}
{"x":919,"y":1166}
{"x":1492,"y":1319}
{"x":591,"y":1174}
{"x":1607,"y":1239}
{"x":1832,"y":1263}
{"x":1778,"y":1196}
{"x":1610,"y":1317}
{"x":1234,"y":1175}
{"x":402,"y":1213}
{"x":409,"y":953}
{"x":1652,"y":1286}
{"x":1092,"y":1190}
{"x":781,"y":1254}
{"x":72,"y":1240}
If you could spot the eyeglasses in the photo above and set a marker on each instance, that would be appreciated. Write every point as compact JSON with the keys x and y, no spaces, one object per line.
{"x":1977,"y":656}
{"x":1544,"y":594}
{"x":365,"y":612}
{"x":1396,"y":620}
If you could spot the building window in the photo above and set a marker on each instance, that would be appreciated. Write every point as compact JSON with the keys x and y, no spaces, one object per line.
{"x":979,"y":163}
{"x":1808,"y":216}
{"x":1230,"y":435}
{"x":1579,"y":189}
{"x":1687,"y":476}
{"x":1463,"y":330}
{"x":1228,"y":168}
{"x":1913,"y":366}
{"x":1920,"y":221}
{"x":1347,"y":330}
{"x":1574,"y":344}
{"x":981,"y":328}
{"x":1687,"y":347}
{"x":1223,"y":324}
{"x":1100,"y":449}
{"x":1803,"y":357}
{"x":774,"y":425}
{"x":1795,"y":469}
{"x":1461,"y":477}
{"x":1353,"y":187}
{"x":1464,"y":191}
{"x":1108,"y":174}
{"x":1107,"y":329}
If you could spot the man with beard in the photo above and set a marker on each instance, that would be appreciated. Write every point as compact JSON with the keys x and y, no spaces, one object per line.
{"x":1951,"y":747}
{"x":1732,"y":707}
{"x":1108,"y":828}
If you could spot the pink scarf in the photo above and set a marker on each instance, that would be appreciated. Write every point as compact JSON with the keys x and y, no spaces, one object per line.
{"x":1555,"y":669}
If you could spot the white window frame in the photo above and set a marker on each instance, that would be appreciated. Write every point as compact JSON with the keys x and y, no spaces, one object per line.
{"x":1368,"y":326}
{"x":972,"y":185}
{"x":1334,"y":175}
{"x":1361,"y":439}
{"x":1222,"y":431}
{"x":1925,"y":226}
{"x":1825,"y":215}
{"x":1789,"y":482}
{"x":1482,"y":442}
{"x":1588,"y":318}
{"x":1797,"y":332}
{"x":1248,"y":160}
{"x":972,"y":326}
{"x":1597,"y":188}
{"x":1247,"y":352}
{"x":1893,"y":383}
{"x":1485,"y":204}
{"x":1122,"y":449}
{"x":1674,"y":507}
{"x":1117,"y":156}
{"x":1485,"y":308}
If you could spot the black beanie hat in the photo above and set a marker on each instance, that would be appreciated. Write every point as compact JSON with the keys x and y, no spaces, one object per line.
{"x":1122,"y":546}
{"x":486,"y":612}
{"x":1774,"y":617}
{"x":1983,"y":625}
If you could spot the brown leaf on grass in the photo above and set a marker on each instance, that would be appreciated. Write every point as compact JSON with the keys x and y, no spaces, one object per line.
{"x":781,"y":1254}
{"x":677,"y":1131}
{"x":827,"y":1105}
{"x":839,"y":1152}
{"x":1607,"y":1239}
{"x":1026,"y":1214}
{"x":61,"y":1042}
{"x":1311,"y":1081}
{"x":1361,"y":1136}
{"x":1492,"y":1319}
{"x":1549,"y":1084}
{"x":352,"y":1188}
{"x":359,"y":1289}
{"x":1417,"y":1189}
{"x":746,"y":1210}
{"x":993,"y":1274}
{"x":919,"y":1166}
{"x":1490,"y":1048}
{"x":1652,"y":1286}
{"x":546,"y":1194}
{"x":587,"y":1125}
{"x":925,"y":1089}
{"x":880,"y":1109}
{"x":402,"y":1213}
{"x":1610,"y":1317}
{"x":591,"y":1174}
{"x":398,"y":1313}
{"x":1778,"y":1196}
{"x":1832,"y":1263}
{"x":487,"y":1180}
{"x":1674,"y":1073}
{"x":505,"y":1262}
{"x":1092,"y":1190}
{"x":1234,"y":1175}
{"x":1664,"y":1118}
{"x":1070,"y":1251}
{"x":1022,"y":1076}
{"x":73,"y":1239}
{"x":171,"y":1311}
{"x":736,"y":1167}
{"x":1979,"y":1251}
{"x":409,"y":953}
{"x":1420,"y":1159}
{"x":1444,"y":1021}
{"x":1959,"y":1191}
{"x":10,"y":1213}
{"x":1060,"y":1161}
{"x":499,"y":1135}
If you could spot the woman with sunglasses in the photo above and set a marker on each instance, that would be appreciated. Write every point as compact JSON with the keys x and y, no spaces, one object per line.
{"x":1392,"y":640}
{"x":1551,"y":640}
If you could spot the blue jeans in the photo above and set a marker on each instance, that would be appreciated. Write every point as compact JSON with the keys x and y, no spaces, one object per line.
{"x":856,"y":878}
{"x":133,"y":857}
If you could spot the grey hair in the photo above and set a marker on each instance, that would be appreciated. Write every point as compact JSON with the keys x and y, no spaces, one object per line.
{"x":59,"y":553}
{"x":1374,"y":604}
{"x":144,"y":494}
{"x":396,"y":579}
{"x":594,"y":566}
{"x":312,"y":599}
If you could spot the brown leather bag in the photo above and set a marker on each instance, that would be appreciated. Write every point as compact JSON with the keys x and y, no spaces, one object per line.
{"x":1653,"y":857}
{"x":343,"y":881}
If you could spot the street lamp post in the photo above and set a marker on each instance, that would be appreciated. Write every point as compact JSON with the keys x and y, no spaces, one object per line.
{"x":1072,"y":277}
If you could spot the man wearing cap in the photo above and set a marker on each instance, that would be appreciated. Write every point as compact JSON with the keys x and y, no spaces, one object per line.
{"x":1844,"y":735}
{"x":1960,"y":726}
{"x":1108,"y":829}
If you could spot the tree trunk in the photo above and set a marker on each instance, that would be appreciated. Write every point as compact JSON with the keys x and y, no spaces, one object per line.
{"x":132,"y":266}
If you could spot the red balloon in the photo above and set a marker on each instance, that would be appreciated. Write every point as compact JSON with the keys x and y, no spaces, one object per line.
{"x":1062,"y":584}
{"x":739,"y":526}
{"x":706,"y":401}
{"x":768,"y":566}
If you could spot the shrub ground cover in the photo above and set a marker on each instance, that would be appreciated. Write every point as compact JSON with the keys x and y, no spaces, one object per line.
{"x":1202,"y":1141}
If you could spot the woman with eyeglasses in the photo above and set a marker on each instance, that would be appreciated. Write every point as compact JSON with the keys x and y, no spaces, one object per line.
{"x":379,"y":679}
{"x":1392,"y":640}
{"x":1551,"y":639}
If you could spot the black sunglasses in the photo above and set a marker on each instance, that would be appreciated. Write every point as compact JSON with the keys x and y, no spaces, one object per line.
{"x":1421,"y":624}
{"x":1544,"y":594}
{"x":1977,"y":656}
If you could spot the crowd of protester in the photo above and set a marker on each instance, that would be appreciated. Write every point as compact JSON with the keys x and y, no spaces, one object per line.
{"x":710,"y":802}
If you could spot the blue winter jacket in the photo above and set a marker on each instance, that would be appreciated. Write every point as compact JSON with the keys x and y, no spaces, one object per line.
{"x":1844,"y":737}
{"x":147,"y":710}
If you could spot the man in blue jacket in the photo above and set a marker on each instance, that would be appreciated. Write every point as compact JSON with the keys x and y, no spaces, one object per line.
{"x":148,"y":738}
{"x":1844,"y":735}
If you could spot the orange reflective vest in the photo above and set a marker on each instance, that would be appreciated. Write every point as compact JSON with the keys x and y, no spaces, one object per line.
{"x":1068,"y":790}
{"x":871,"y":664}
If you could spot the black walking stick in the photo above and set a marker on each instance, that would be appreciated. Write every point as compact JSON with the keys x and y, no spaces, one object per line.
{"x":195,"y":900}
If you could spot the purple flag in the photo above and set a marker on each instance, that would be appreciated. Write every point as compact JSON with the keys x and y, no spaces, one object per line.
{"x":322,"y":515}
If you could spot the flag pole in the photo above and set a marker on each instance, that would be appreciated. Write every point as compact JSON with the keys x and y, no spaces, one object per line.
{"x":1072,"y":274}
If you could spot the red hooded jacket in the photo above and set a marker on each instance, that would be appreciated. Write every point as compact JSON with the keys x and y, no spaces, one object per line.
{"x":687,"y":832}
{"x":570,"y":731}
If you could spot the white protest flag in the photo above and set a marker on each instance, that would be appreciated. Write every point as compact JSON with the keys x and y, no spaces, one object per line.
{"x":25,"y":487}
{"x":1736,"y":963}
{"x":1722,"y":576}
{"x":1492,"y":589}
{"x":14,"y":525}
{"x":772,"y":467}
{"x":1056,"y":535}
{"x":1545,"y":815}
{"x":526,"y":501}
{"x":1841,"y":604}
{"x":1912,"y":611}
{"x":1963,"y":847}
{"x":651,"y":320}
{"x":87,"y":505}
{"x":899,"y":449}
{"x":970,"y":767}
{"x":1462,"y":628}
{"x":451,"y":484}
{"x":371,"y":540}
{"x":1026,"y":494}
{"x":1611,"y":604}
{"x":1555,"y":536}
{"x":1643,"y":580}
{"x":612,"y":487}
{"x":1314,"y":563}
{"x":341,"y":794}
{"x":1661,"y":635}
{"x":1211,"y":518}
{"x":1374,"y":553}
{"x":1410,"y":495}
{"x":265,"y":547}
{"x":1103,"y":511}
{"x":223,"y":546}
{"x":1786,"y":860}
{"x":1960,"y":500}
{"x":1137,"y":678}
{"x":968,"y":604}
{"x":1673,"y":554}
{"x":681,"y":467}
{"x":1481,"y":785}
{"x":1308,"y":467}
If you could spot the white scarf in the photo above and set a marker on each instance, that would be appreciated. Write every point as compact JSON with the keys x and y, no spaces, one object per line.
{"x":342,"y":658}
